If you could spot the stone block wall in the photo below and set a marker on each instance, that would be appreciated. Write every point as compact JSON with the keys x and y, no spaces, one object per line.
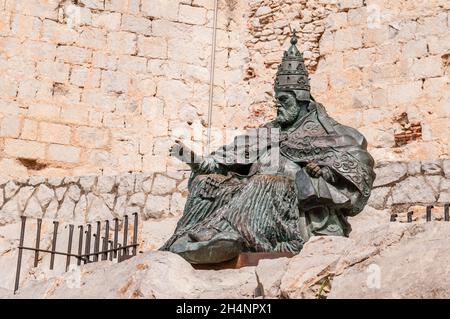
{"x":370,"y":62}
{"x":102,"y":87}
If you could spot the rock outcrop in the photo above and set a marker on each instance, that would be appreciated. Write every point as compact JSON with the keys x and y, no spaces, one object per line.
{"x":380,"y":259}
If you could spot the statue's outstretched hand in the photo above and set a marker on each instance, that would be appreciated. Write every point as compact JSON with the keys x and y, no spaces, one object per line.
{"x":209,"y":165}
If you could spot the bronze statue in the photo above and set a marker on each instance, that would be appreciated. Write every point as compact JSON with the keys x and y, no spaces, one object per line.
{"x":242,"y":200}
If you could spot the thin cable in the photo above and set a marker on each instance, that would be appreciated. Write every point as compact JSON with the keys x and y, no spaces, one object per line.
{"x":211,"y":77}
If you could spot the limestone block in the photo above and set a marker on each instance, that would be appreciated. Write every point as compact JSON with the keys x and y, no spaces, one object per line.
{"x":156,"y":206}
{"x":33,"y":208}
{"x":74,"y":115}
{"x":415,"y":48}
{"x":414,"y":189}
{"x":91,"y":137}
{"x":104,"y":61}
{"x":136,"y":24}
{"x":137,"y":199}
{"x":120,"y":206}
{"x":177,"y":203}
{"x":163,"y":185}
{"x":52,"y":209}
{"x":64,"y":153}
{"x":38,"y":50}
{"x":126,"y":184}
{"x":36,"y":180}
{"x":10,"y":87}
{"x":132,"y":64}
{"x":192,"y":15}
{"x":349,"y":38}
{"x":350,"y":4}
{"x":152,"y":47}
{"x":43,"y":111}
{"x":93,"y":4}
{"x":97,"y":209}
{"x":92,"y":38}
{"x":433,"y":87}
{"x":187,"y":51}
{"x":376,"y":36}
{"x":118,"y":82}
{"x":66,"y":211}
{"x":74,"y":193}
{"x":404,"y":93}
{"x":105,"y":184}
{"x":358,"y":16}
{"x":161,"y":9}
{"x":73,"y":55}
{"x":269,"y":274}
{"x":5,"y":26}
{"x":58,"y":33}
{"x":23,"y":26}
{"x":129,"y":7}
{"x":446,"y":167}
{"x":378,"y":197}
{"x":444,"y":192}
{"x":84,"y":77}
{"x":56,"y":71}
{"x":336,"y":21}
{"x":326,"y":43}
{"x":426,"y":67}
{"x":44,"y":194}
{"x":169,"y":29}
{"x":25,"y":149}
{"x":152,"y":108}
{"x":121,"y":42}
{"x":54,"y":133}
{"x":28,"y":89}
{"x":60,"y":192}
{"x":11,"y":189}
{"x":80,"y":211}
{"x":144,"y":86}
{"x":431,"y":167}
{"x":107,"y":20}
{"x":55,"y":181}
{"x":10,"y":126}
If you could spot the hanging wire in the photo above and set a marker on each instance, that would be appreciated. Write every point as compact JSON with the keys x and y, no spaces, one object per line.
{"x":211,"y":77}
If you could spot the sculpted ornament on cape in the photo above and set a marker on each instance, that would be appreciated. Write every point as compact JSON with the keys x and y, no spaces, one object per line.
{"x":272,"y":189}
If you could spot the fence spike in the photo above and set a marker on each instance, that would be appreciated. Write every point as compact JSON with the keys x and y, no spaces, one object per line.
{"x":38,"y":241}
{"x":55,"y":235}
{"x":19,"y":257}
{"x":69,"y":247}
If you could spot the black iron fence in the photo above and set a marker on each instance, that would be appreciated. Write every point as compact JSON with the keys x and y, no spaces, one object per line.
{"x":109,"y":250}
{"x":428,"y":216}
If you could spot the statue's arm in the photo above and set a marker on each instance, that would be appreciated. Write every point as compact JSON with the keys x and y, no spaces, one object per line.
{"x":197,"y":163}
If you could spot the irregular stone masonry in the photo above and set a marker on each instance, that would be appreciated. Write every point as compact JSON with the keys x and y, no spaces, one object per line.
{"x":91,"y":198}
{"x":95,"y":87}
{"x":399,"y":185}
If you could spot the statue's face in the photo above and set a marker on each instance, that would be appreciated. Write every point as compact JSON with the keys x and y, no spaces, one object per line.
{"x":287,"y":108}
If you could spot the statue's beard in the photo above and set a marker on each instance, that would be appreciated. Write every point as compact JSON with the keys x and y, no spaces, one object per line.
{"x":287,"y":116}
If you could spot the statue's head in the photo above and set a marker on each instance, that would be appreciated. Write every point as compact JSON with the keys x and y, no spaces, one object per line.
{"x":292,"y":89}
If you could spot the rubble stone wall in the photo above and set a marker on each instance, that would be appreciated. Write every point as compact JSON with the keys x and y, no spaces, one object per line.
{"x":155,"y":196}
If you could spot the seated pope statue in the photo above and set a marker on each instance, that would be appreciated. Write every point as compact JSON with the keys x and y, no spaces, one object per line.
{"x":272,"y":189}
